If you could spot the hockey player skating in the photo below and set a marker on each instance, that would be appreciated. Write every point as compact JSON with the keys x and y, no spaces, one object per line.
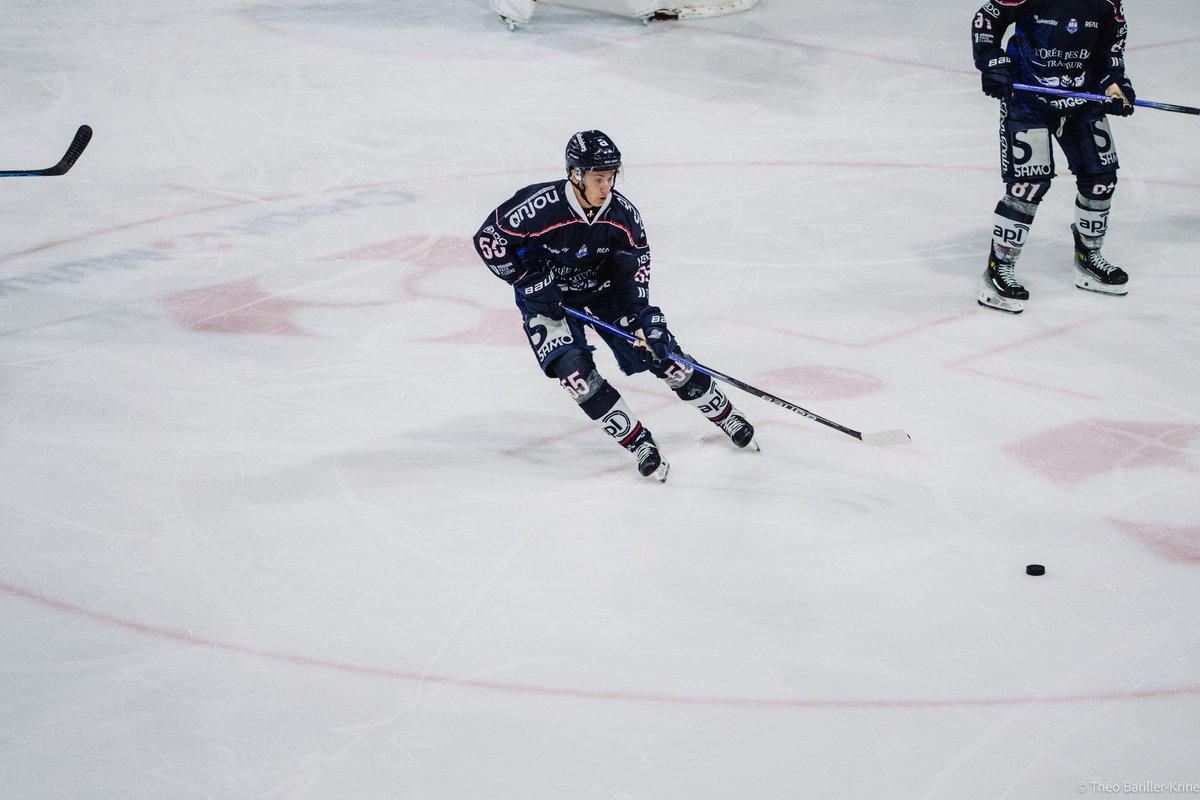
{"x":580,"y":242}
{"x":1064,"y":44}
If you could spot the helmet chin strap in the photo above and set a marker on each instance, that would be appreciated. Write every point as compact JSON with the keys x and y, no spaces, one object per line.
{"x":576,"y":177}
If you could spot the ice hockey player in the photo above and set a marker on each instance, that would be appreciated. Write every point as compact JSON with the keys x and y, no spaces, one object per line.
{"x":579,"y":241}
{"x":515,"y":13}
{"x":1077,"y":45}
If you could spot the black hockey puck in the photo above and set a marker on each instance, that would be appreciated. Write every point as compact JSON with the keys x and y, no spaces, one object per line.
{"x":1035,"y":569}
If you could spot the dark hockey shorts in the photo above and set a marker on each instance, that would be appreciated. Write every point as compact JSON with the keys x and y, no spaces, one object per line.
{"x":551,"y":338}
{"x":1025,"y":152}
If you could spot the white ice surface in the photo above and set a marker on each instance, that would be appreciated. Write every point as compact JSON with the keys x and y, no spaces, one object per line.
{"x":287,"y":511}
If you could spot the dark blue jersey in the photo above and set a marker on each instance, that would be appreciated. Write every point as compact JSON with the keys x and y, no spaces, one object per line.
{"x":544,"y":228}
{"x":1078,"y":45}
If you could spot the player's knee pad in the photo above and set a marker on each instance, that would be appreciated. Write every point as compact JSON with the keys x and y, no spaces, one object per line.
{"x":1026,"y":194}
{"x":691,"y":385}
{"x":576,"y":371}
{"x":1097,"y":187}
{"x":675,"y":374}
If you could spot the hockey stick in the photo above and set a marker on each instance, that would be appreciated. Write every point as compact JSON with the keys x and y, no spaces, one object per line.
{"x":74,"y":151}
{"x":1103,"y":98}
{"x":880,"y":439}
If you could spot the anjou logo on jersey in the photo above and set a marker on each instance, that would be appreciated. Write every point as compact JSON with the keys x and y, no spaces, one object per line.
{"x":535,"y":204}
{"x":1073,"y":26}
{"x":581,"y":252}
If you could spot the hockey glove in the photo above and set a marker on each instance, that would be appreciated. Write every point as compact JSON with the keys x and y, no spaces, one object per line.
{"x":539,"y":295}
{"x":997,"y":77}
{"x":1122,"y":97}
{"x":657,"y":338}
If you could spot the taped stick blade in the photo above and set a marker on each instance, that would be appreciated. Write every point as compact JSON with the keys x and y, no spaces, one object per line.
{"x":887,"y":438}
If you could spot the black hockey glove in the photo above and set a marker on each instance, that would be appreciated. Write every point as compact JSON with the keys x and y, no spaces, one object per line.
{"x":1119,"y":92}
{"x":659,"y":340}
{"x":538,"y":294}
{"x":997,"y":77}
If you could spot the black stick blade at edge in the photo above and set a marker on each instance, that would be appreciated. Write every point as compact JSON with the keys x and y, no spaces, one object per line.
{"x":74,"y":151}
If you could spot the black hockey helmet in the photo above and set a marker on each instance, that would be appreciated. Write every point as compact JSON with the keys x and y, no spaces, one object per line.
{"x":591,"y":151}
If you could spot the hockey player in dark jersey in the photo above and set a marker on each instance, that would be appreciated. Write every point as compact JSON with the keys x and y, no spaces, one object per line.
{"x":1077,"y":45}
{"x":580,"y":242}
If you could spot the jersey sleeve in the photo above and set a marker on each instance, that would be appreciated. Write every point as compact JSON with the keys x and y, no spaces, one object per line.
{"x":987,"y":30}
{"x":498,"y":245}
{"x":1113,"y":70}
{"x":631,"y":256}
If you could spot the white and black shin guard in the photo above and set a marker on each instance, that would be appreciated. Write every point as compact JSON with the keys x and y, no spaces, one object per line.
{"x":1091,"y":220}
{"x":1010,"y":228}
{"x":697,"y":389}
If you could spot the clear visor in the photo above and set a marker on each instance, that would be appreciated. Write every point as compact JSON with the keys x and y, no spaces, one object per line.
{"x":597,"y":178}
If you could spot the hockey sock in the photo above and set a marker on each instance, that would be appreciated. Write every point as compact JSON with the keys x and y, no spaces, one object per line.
{"x":1091,"y":219}
{"x":1011,"y":227}
{"x":705,"y":394}
{"x":606,"y":406}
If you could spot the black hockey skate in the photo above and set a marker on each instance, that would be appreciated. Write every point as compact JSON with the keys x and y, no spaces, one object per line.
{"x":738,"y":429}
{"x":1001,"y":289}
{"x":1093,"y":271}
{"x":650,"y":462}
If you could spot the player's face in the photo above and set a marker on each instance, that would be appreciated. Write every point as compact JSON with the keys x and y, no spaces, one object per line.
{"x":596,"y":186}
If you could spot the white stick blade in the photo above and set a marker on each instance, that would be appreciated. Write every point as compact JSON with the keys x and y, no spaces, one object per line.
{"x":887,"y":438}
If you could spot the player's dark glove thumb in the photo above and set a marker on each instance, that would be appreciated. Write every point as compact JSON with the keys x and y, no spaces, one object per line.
{"x":539,"y":295}
{"x":996,"y":76}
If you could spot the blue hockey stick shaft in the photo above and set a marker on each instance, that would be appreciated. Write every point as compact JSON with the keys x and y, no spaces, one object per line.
{"x":880,"y":439}
{"x":1103,"y":98}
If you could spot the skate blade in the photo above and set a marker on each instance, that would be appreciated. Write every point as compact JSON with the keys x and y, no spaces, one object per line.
{"x":1008,"y":305}
{"x":660,"y":474}
{"x":1090,"y":284}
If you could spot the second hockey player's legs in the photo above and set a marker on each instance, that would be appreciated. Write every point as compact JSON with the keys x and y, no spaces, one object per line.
{"x":1091,"y":151}
{"x":1093,"y":271}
